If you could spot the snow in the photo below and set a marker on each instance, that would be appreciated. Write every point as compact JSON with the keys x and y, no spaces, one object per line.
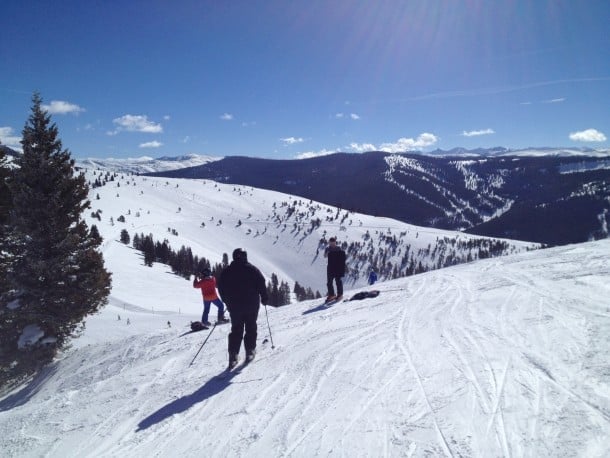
{"x":13,"y":305}
{"x":500,"y":357}
{"x":145,"y":164}
{"x":29,"y":336}
{"x":559,"y":152}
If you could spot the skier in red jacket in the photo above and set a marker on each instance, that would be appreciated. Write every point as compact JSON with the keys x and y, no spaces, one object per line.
{"x":207,"y":283}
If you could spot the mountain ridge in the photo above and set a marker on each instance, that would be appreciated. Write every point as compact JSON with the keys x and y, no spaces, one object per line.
{"x":454,"y":192}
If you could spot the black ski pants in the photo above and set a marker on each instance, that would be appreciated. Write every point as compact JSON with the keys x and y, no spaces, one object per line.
{"x":329,"y":284}
{"x":243,"y":320}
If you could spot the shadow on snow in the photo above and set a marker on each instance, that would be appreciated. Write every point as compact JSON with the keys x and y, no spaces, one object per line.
{"x":319,"y":308}
{"x":212,"y":387}
{"x":25,"y":393}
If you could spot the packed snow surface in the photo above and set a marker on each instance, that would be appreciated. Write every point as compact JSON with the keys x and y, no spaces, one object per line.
{"x":501,"y":357}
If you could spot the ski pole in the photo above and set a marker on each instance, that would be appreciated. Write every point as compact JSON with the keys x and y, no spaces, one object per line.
{"x":206,"y":339}
{"x":270,"y":335}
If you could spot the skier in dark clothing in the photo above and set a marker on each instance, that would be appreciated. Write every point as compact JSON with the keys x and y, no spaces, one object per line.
{"x":335,"y":269}
{"x":242,"y":288}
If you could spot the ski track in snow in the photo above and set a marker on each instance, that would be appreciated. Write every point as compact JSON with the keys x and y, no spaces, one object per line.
{"x":503,"y":357}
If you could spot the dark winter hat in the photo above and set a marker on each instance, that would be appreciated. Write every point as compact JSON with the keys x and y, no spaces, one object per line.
{"x":332,"y":239}
{"x":206,"y":272}
{"x":239,"y":255}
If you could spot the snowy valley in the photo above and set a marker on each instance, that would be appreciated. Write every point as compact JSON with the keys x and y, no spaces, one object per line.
{"x":495,"y":357}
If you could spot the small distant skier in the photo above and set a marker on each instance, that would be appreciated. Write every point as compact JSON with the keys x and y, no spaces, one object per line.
{"x":372,"y":277}
{"x":207,"y":283}
{"x":242,"y":287}
{"x":335,"y":269}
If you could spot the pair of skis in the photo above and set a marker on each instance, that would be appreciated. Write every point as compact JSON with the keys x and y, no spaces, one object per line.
{"x":332,"y":300}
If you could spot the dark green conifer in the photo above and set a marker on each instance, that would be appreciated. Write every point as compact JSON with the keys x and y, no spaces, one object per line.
{"x":5,"y":208}
{"x":57,"y":276}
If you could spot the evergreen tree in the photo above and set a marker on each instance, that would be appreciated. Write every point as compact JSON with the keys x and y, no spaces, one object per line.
{"x":299,"y":291}
{"x":5,"y":195}
{"x":94,"y":233}
{"x":148,"y":247}
{"x":137,"y":242}
{"x":284,"y":294}
{"x":279,"y":294}
{"x":125,"y":237}
{"x":273,"y":291}
{"x":57,"y":276}
{"x":5,"y":208}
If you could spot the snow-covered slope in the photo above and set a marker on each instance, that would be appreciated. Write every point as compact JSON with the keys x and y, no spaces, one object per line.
{"x":506,"y":356}
{"x":281,"y":233}
{"x":146,"y":164}
{"x":502,"y":357}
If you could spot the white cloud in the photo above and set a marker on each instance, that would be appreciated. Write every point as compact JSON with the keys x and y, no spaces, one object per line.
{"x":362,"y":147}
{"x":353,"y":116}
{"x":61,"y":107}
{"x":588,"y":135}
{"x":167,"y":117}
{"x":153,"y":144}
{"x":186,"y":139}
{"x":136,"y":123}
{"x":227,"y":117}
{"x":8,"y":138}
{"x":310,"y":154}
{"x":402,"y":144}
{"x":476,"y":133}
{"x":291,"y":140}
{"x":559,"y":100}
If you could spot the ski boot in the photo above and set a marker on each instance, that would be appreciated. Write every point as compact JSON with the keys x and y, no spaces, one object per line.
{"x":222,"y":320}
{"x":250,"y":354}
{"x":232,"y":360}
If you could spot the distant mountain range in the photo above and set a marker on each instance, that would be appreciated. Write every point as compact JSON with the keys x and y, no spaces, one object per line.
{"x":553,"y":196}
{"x":146,"y":164}
{"x":530,"y":152}
{"x":546,"y":195}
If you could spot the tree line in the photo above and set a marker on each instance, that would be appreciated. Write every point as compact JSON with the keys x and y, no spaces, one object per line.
{"x":184,"y":263}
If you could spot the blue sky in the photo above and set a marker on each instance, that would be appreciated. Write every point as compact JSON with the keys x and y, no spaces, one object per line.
{"x":286,"y":79}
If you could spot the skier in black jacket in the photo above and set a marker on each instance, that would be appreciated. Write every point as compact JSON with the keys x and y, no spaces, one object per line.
{"x":335,"y":269}
{"x":242,"y":288}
